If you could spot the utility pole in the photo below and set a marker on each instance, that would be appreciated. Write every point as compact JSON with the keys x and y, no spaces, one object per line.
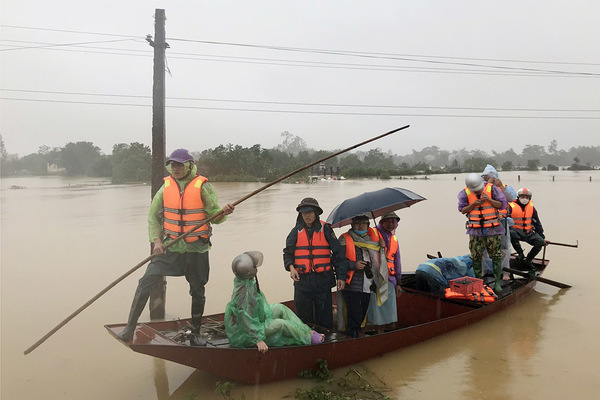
{"x":158,"y":297}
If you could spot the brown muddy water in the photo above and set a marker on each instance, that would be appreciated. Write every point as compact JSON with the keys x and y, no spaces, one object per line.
{"x":64,"y":240}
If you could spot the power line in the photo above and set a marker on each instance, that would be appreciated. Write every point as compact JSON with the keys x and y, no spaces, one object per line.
{"x":64,"y":44}
{"x":300,"y":63}
{"x":70,"y":31}
{"x":312,"y":112}
{"x":387,"y":56}
{"x":304,"y":103}
{"x":378,"y":56}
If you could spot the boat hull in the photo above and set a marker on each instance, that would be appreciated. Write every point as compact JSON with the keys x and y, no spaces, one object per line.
{"x":421,"y":316}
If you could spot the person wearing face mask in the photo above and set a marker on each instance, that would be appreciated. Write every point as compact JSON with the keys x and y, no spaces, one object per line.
{"x":527,"y":228}
{"x":314,"y":257}
{"x":385,"y":313}
{"x":367,"y":272}
{"x":184,"y":201}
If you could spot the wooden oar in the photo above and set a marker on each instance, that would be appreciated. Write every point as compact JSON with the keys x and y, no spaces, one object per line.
{"x":563,"y":244}
{"x":218,"y":215}
{"x":525,"y":274}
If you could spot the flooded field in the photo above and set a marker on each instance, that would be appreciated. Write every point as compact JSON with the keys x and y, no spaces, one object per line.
{"x":64,"y":240}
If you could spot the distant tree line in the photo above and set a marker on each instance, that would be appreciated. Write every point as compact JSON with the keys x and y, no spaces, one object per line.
{"x":132,"y":162}
{"x":127,"y":163}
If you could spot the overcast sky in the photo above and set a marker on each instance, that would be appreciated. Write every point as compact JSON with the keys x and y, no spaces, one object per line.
{"x":464,"y":74}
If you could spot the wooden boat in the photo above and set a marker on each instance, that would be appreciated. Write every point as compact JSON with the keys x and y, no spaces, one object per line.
{"x":421,"y":316}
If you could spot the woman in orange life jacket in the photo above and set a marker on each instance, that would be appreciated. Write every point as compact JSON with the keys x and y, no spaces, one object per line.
{"x":527,"y":228}
{"x":184,"y":200}
{"x":367,"y":272}
{"x":385,"y":313}
{"x":481,"y":203}
{"x":314,"y":257}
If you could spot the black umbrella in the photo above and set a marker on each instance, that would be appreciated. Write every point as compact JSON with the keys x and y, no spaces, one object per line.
{"x":375,"y":204}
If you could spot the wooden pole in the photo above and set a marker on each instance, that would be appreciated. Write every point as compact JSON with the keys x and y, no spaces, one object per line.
{"x":182,"y":236}
{"x":563,"y":244}
{"x":158,"y":297}
{"x":537,"y":278}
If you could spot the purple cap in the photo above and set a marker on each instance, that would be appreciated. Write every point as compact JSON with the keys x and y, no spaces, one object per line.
{"x":180,"y":156}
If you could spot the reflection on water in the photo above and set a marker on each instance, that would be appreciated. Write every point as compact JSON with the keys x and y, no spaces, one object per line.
{"x":62,"y":244}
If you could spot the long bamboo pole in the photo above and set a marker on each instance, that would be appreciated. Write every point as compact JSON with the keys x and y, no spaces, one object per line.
{"x":218,"y":215}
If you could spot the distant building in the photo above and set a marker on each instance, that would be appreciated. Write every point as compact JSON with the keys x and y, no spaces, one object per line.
{"x":53,"y":169}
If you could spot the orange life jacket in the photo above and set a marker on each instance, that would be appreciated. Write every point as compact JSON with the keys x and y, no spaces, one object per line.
{"x":351,"y":250}
{"x":485,"y":213}
{"x":390,"y":255}
{"x":523,"y":218}
{"x":184,"y":210}
{"x":314,"y":254}
{"x":487,"y":295}
{"x":503,"y":213}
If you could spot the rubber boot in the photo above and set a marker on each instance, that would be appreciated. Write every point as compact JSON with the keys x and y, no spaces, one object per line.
{"x":497,"y":277}
{"x":137,"y":306}
{"x":197,"y":312}
{"x":529,"y":262}
{"x":477,"y":269}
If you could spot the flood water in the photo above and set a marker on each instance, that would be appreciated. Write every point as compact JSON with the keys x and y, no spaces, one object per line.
{"x":64,"y":240}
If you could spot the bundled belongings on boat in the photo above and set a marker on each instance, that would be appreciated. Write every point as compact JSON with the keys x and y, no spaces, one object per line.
{"x":434,"y":275}
{"x":486,"y":295}
{"x":467,"y":288}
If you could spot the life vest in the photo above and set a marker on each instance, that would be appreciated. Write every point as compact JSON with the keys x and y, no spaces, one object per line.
{"x":351,"y":250}
{"x":184,"y":210}
{"x":487,"y":295}
{"x":314,"y":254}
{"x":390,"y":255}
{"x":523,"y":217}
{"x":485,"y":213}
{"x":503,"y":213}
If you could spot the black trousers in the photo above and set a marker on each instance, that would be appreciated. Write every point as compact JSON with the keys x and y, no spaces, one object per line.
{"x":194,"y":266}
{"x":357,"y":304}
{"x":314,"y":306}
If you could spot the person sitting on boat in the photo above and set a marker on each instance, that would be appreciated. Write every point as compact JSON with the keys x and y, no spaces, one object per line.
{"x":312,"y":254}
{"x":527,"y":228}
{"x":184,"y":201}
{"x":367,"y":272}
{"x":251,"y":321}
{"x":434,"y":275}
{"x":481,"y":203}
{"x":385,"y":313}
{"x":490,"y":175}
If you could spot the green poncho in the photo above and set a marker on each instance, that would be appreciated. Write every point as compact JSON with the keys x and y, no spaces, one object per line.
{"x":250,"y":319}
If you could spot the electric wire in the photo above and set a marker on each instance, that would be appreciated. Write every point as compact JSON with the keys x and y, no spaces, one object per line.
{"x":302,"y":103}
{"x":312,"y":112}
{"x":387,"y":56}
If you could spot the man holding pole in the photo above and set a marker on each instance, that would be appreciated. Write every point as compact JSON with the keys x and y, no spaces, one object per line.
{"x":228,"y":209}
{"x":184,"y":201}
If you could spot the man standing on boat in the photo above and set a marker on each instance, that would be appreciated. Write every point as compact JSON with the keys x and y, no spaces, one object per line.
{"x":184,"y":201}
{"x":312,"y":254}
{"x":481,"y":203}
{"x":490,"y":175}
